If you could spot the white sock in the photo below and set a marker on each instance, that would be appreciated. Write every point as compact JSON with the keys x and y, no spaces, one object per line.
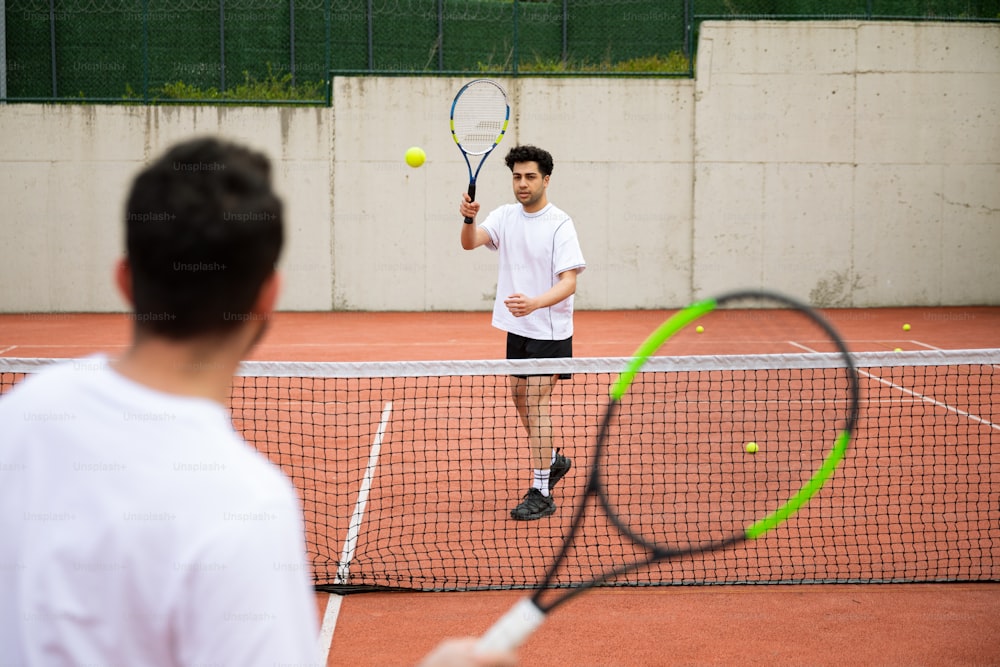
{"x":541,"y":481}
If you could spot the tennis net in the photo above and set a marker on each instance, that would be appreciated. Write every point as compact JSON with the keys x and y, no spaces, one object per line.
{"x":407,"y":470}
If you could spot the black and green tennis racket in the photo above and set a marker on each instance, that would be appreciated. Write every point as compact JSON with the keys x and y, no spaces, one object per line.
{"x":694,"y":461}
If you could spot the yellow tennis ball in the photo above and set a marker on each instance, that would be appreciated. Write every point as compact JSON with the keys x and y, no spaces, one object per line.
{"x":898,"y":349}
{"x":751,"y":448}
{"x":700,"y":329}
{"x":906,"y":327}
{"x":415,"y":156}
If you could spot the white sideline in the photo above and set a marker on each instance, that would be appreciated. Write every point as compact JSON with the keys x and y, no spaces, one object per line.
{"x":351,"y":541}
{"x":333,"y":602}
{"x":329,"y":625}
{"x":932,"y":401}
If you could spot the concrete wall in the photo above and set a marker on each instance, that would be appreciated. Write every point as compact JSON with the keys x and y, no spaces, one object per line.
{"x":856,"y":163}
{"x":623,"y":171}
{"x":851,"y":164}
{"x":64,"y":175}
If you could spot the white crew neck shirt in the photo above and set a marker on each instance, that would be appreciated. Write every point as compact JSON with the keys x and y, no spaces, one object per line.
{"x":534,"y":249}
{"x":138,"y":528}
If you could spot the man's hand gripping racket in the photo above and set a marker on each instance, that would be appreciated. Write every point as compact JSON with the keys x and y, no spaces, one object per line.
{"x":479,"y":117}
{"x":676,"y":468}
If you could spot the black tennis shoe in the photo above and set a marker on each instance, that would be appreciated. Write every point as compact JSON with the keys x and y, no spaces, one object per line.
{"x":558,"y":469}
{"x":533,"y":506}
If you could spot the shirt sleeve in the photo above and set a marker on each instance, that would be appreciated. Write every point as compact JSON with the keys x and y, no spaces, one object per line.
{"x":567,"y":252}
{"x":492,"y":225}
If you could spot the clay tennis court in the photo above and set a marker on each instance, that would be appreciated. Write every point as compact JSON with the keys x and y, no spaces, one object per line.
{"x":885,"y":624}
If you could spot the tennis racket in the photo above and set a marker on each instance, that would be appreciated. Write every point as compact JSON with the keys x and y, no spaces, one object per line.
{"x":709,"y":457}
{"x":479,"y":117}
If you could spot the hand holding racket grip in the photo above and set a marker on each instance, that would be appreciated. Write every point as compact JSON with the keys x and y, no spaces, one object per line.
{"x":472,"y":197}
{"x":512,"y":629}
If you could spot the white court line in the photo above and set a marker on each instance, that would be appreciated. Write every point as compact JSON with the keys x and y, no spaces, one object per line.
{"x":801,"y":347}
{"x":932,"y":401}
{"x":351,"y":541}
{"x":914,"y":394}
{"x":103,"y":345}
{"x":330,"y":617}
{"x":7,"y":349}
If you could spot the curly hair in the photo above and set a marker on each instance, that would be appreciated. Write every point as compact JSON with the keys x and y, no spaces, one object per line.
{"x":530,"y":154}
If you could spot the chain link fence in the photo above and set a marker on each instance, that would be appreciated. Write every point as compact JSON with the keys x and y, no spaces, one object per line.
{"x":514,"y":37}
{"x":147,"y":50}
{"x":881,"y":10}
{"x":283,"y":51}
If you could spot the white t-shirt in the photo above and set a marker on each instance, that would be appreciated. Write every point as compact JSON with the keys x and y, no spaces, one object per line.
{"x":137,"y":528}
{"x":534,"y":249}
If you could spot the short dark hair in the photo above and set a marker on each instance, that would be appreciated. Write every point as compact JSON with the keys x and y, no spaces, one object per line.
{"x":203,"y":231}
{"x":530,"y":154}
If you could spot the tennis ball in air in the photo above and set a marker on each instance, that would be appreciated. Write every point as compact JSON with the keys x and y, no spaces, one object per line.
{"x":751,"y":448}
{"x":906,"y":327}
{"x":700,"y":329}
{"x":415,"y":156}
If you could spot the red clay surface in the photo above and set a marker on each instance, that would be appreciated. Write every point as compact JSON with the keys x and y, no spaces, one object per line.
{"x":448,"y":335}
{"x":898,"y":624}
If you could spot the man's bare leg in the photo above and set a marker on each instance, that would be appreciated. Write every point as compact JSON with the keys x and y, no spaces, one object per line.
{"x":532,"y":397}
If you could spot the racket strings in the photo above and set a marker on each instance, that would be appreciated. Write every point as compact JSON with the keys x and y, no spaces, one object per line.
{"x":680,"y":474}
{"x":479,"y":117}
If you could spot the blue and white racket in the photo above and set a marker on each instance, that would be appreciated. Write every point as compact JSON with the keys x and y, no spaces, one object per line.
{"x":479,"y":117}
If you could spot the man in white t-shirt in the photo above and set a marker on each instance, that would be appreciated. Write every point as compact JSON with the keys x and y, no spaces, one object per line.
{"x":540,"y":259}
{"x":136,"y":526}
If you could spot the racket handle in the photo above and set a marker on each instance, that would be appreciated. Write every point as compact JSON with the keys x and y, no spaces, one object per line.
{"x":472,"y":197}
{"x":512,"y":628}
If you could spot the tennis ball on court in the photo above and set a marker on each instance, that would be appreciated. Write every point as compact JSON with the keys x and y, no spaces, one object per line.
{"x":898,"y":349}
{"x":751,"y":448}
{"x":415,"y":156}
{"x":906,"y":327}
{"x":700,"y":329}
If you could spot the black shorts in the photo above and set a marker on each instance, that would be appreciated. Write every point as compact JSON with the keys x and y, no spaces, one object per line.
{"x":519,"y":347}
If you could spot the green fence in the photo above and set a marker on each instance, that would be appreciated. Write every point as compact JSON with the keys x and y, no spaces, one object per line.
{"x":283,"y":51}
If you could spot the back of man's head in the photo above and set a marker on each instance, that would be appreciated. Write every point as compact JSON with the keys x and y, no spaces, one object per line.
{"x":203,"y":232}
